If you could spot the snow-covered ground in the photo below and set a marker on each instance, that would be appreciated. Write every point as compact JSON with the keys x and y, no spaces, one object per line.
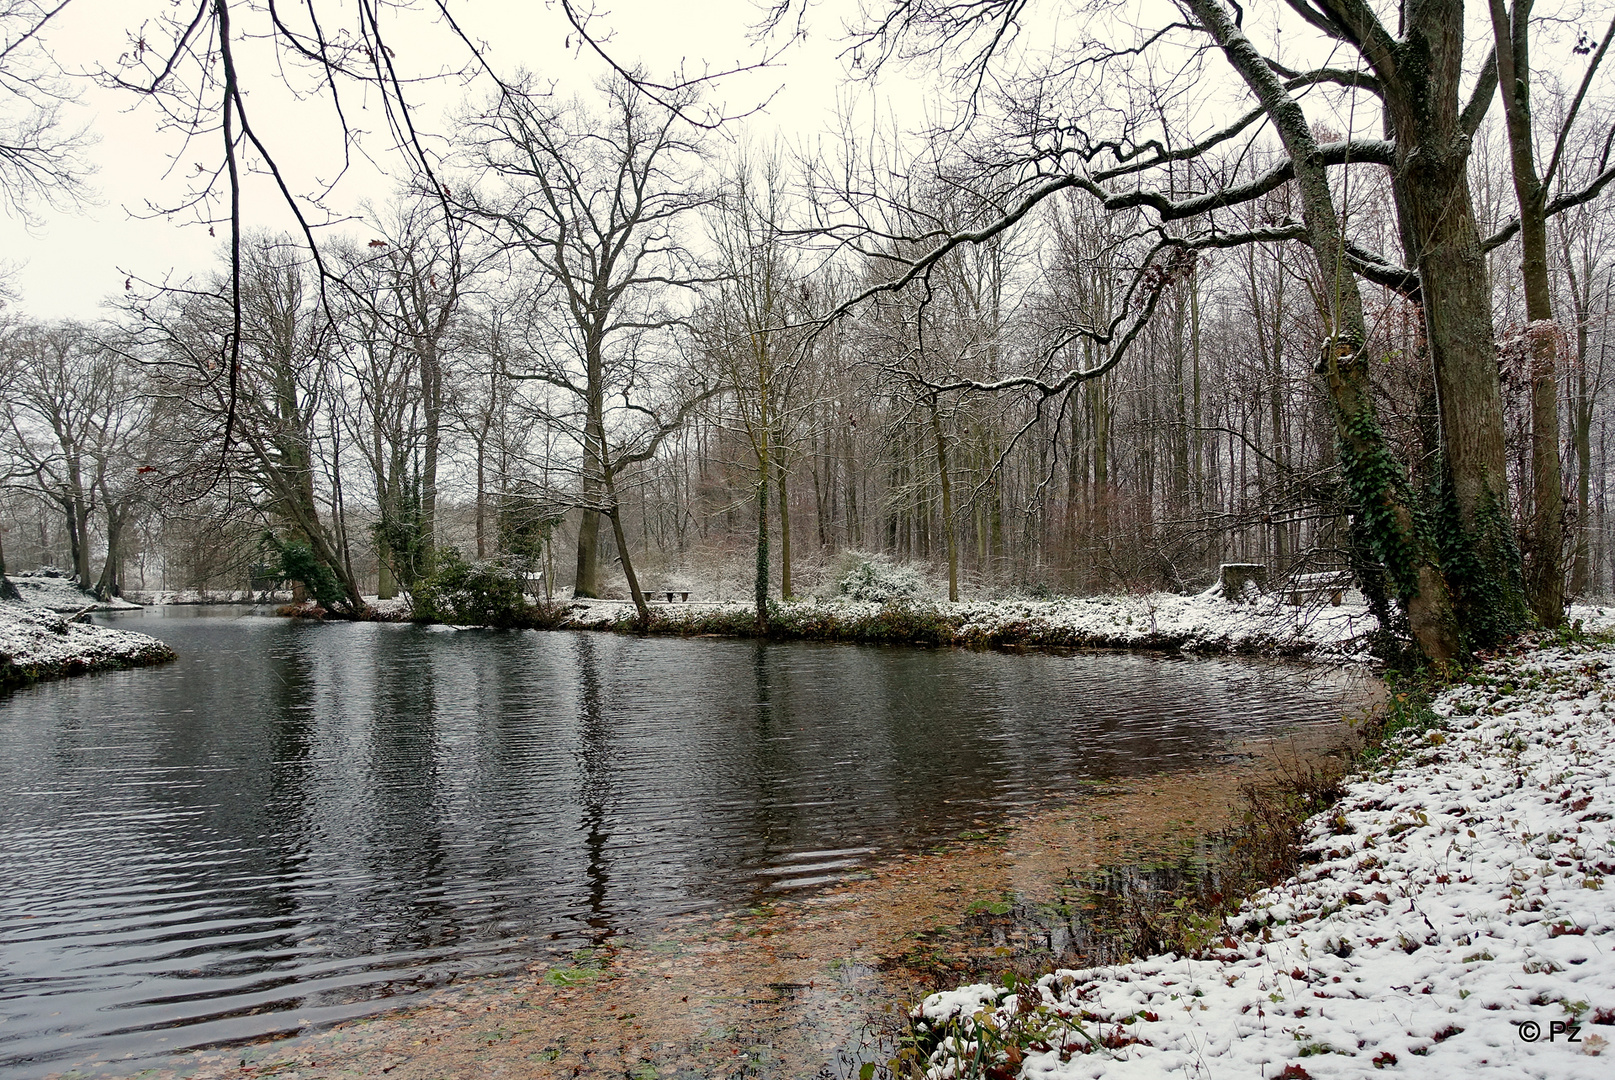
{"x":1157,"y":620}
{"x":165,"y":597}
{"x":1460,"y":918}
{"x":40,"y":644}
{"x":54,"y":591}
{"x":1594,"y":618}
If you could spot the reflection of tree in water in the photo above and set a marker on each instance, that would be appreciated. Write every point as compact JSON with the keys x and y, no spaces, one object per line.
{"x":407,"y":852}
{"x":594,"y":756}
{"x":771,"y":763}
{"x":243,"y":806}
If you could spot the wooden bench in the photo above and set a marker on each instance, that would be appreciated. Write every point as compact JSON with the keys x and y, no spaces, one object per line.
{"x":1306,"y":588}
{"x":682,"y":594}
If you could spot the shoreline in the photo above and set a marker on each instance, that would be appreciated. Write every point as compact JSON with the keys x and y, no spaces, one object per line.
{"x":790,"y":984}
{"x":1198,"y":624}
{"x":1451,"y":917}
{"x":39,"y":645}
{"x":1161,"y":622}
{"x":1203,"y":624}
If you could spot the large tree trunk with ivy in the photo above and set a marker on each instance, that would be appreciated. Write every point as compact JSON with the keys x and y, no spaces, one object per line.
{"x":1376,"y":484}
{"x":1479,"y":555}
{"x":1418,"y":72}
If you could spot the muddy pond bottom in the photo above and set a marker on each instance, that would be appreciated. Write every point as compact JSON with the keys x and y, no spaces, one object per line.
{"x":298,"y":824}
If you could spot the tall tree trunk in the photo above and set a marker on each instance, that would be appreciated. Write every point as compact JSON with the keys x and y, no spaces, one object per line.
{"x":109,"y":586}
{"x":1544,"y":554}
{"x":948,"y":529}
{"x":1100,"y":426}
{"x":641,"y":608}
{"x":821,"y":516}
{"x":1581,"y":423}
{"x":1435,"y":212}
{"x":482,"y":503}
{"x":81,"y":542}
{"x":8,"y":591}
{"x":1281,"y":530}
{"x":587,"y":581}
{"x":760,"y":580}
{"x":784,"y":529}
{"x":386,"y":586}
{"x":1197,"y":452}
{"x":432,"y":394}
{"x":855,"y":528}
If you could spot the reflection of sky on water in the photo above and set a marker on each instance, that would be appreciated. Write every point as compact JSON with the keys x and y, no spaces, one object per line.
{"x":297,"y":819}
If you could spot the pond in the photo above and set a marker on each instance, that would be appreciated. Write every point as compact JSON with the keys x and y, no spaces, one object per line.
{"x":298,"y":823}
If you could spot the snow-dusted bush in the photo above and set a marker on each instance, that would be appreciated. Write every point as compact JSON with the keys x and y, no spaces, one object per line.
{"x":478,"y":594}
{"x":876,"y":579}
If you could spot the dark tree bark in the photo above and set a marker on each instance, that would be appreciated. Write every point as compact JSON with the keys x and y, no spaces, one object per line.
{"x":1379,"y":491}
{"x":1544,"y":563}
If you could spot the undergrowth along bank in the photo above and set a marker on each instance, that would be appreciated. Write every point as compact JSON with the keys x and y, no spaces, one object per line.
{"x":1266,"y":843}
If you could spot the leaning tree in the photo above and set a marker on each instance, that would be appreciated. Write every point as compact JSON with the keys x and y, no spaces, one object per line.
{"x":1092,"y":113}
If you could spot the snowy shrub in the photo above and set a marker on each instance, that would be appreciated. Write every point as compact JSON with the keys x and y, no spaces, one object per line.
{"x":478,"y":594}
{"x":876,"y":579}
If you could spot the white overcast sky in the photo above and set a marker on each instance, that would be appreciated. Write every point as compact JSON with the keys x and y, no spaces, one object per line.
{"x":70,"y":262}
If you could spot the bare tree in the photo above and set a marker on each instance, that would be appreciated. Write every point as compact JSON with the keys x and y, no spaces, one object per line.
{"x":752,"y":333}
{"x":280,"y":406}
{"x":40,"y":159}
{"x":402,"y":296}
{"x":75,"y":416}
{"x":593,"y":202}
{"x":1544,"y":563}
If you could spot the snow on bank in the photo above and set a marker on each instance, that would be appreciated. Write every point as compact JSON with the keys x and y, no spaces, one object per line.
{"x":55,"y":591}
{"x":1204,"y":622}
{"x":1594,"y":618}
{"x":39,"y":644}
{"x":167,"y":597}
{"x":1458,"y":918}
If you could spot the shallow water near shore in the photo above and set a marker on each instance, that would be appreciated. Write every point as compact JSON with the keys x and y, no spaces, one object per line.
{"x":298,"y":823}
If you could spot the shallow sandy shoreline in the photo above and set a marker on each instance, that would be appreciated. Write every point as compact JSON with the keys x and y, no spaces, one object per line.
{"x":784,"y":989}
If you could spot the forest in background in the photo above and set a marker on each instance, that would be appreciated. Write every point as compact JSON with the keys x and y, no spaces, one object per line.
{"x":612,"y":347}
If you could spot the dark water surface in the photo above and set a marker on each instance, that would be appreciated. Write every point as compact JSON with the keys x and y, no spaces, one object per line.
{"x":297,"y":823}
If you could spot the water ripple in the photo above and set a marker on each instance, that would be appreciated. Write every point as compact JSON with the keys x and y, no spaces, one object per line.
{"x":300,"y":823}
